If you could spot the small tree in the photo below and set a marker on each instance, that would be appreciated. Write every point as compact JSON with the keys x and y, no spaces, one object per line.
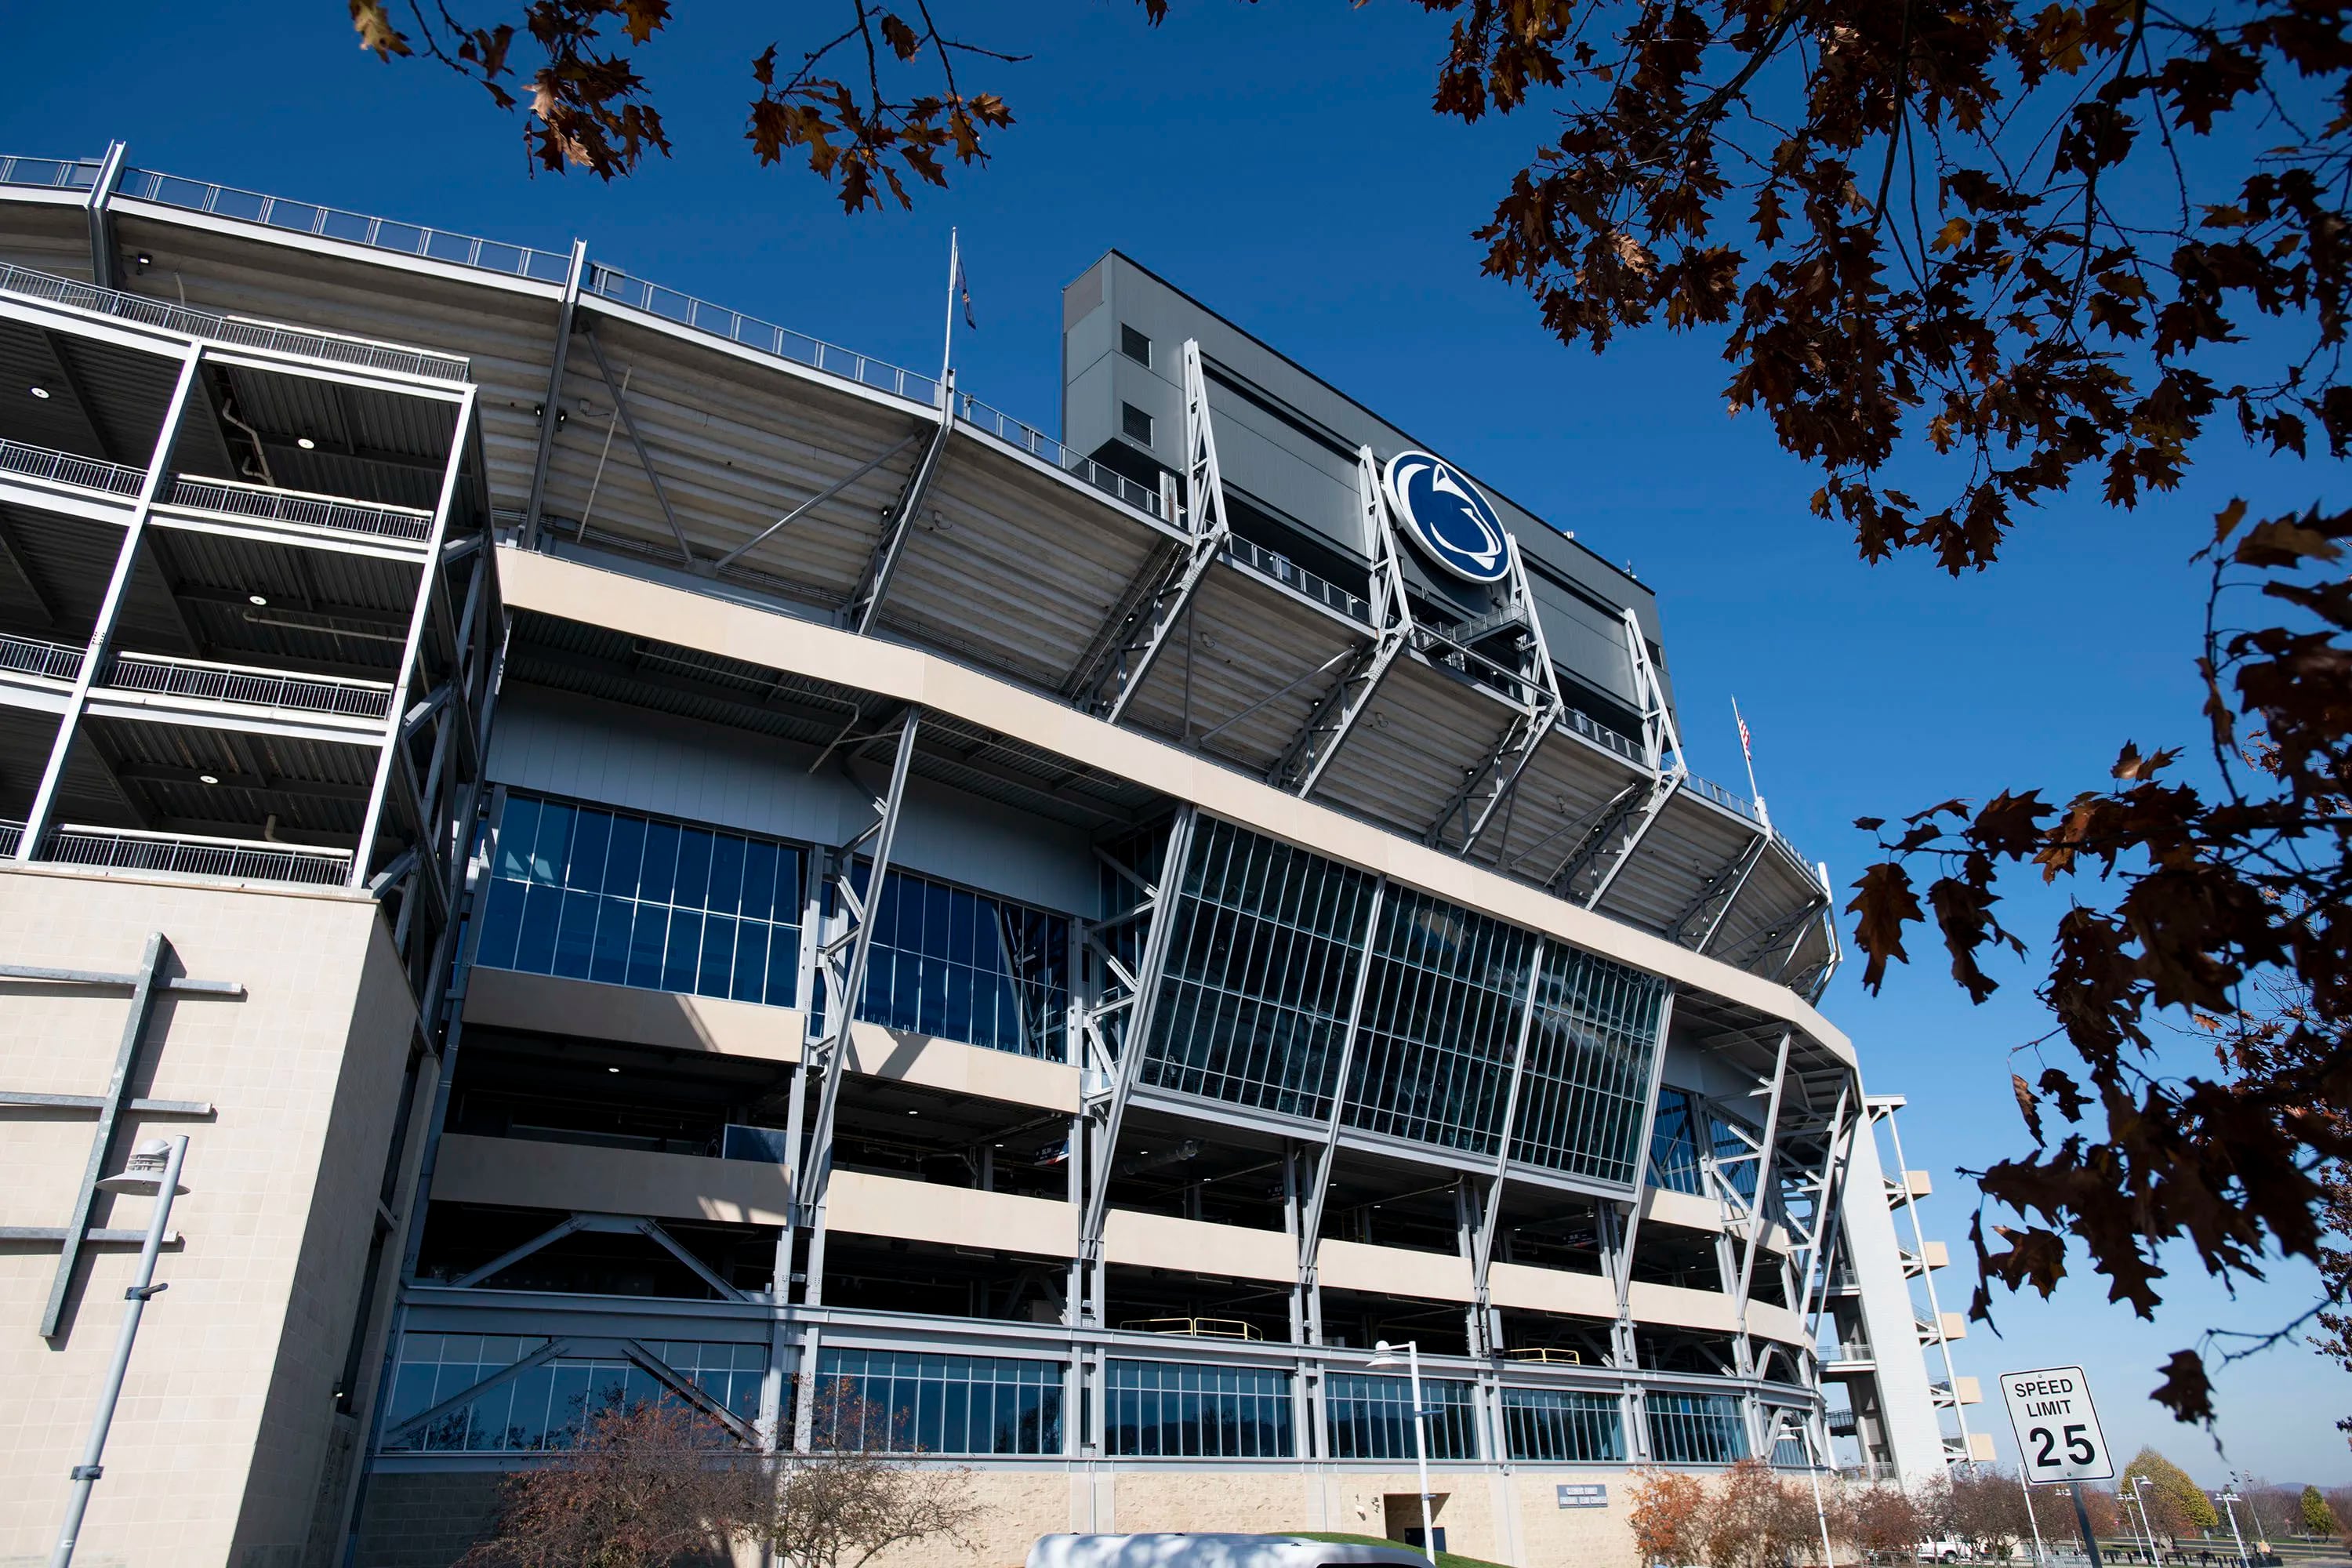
{"x":1667,"y":1515}
{"x":1752,"y":1520}
{"x":2318,"y":1518}
{"x":1882,"y":1522}
{"x":654,"y":1485}
{"x":2174,"y":1503}
{"x":859,"y":1492}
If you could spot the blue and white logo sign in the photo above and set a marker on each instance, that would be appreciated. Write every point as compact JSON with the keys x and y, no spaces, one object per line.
{"x":1453,"y":525}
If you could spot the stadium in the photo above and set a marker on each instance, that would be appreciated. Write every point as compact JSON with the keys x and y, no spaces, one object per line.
{"x":470,"y":720}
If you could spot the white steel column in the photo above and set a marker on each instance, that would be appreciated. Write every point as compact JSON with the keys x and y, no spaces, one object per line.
{"x":110,"y":609}
{"x":1907,"y":1404}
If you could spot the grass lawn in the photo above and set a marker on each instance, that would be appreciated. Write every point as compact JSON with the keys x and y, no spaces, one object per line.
{"x":1445,"y":1559}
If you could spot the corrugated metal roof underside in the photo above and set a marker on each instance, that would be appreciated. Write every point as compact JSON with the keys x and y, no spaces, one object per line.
{"x":1424,"y":731}
{"x":1566,"y":783}
{"x":53,"y":572}
{"x":47,"y":237}
{"x":315,"y":789}
{"x":326,"y":612}
{"x":104,"y":401}
{"x":25,"y":737}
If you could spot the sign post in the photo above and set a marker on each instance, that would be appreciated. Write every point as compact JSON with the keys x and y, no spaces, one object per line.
{"x":2058,"y":1436}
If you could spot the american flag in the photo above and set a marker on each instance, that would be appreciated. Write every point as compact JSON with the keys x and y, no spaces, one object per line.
{"x":1744,"y":749}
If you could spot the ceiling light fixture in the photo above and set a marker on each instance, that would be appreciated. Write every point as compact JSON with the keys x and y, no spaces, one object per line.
{"x":40,"y":392}
{"x":612,"y":1069}
{"x":256,"y":599}
{"x":207,"y":778}
{"x":305,"y":442}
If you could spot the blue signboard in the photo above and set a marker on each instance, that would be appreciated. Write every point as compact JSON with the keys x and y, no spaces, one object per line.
{"x":1447,"y":516}
{"x":1592,"y":1494}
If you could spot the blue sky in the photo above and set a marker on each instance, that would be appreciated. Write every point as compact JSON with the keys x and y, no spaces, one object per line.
{"x":1280,"y":163}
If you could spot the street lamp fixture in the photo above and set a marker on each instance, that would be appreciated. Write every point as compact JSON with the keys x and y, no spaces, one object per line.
{"x":2230,"y":1499}
{"x":1385,"y":1356}
{"x":153,"y":1170}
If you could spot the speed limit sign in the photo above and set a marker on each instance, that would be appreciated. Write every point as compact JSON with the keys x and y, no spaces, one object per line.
{"x":2058,"y":1437}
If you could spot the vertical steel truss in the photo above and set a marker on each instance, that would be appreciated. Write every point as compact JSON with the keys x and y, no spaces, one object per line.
{"x":1486,"y":787}
{"x":1622,"y":1270}
{"x":427,"y":791}
{"x":1115,"y":1029}
{"x":1779,"y":936}
{"x":1759,"y":1210}
{"x":1309,"y":1285}
{"x":1121,"y":656}
{"x":1334,"y":715}
{"x":1813,"y":1176}
{"x":102,"y":266}
{"x":1610,"y":845}
{"x":841,"y":970}
{"x":1481,"y":1339}
{"x":863,"y":606}
{"x":1898,"y":1191}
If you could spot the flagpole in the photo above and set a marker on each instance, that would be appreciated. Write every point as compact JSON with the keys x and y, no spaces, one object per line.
{"x":947,"y":351}
{"x":1750,"y":758}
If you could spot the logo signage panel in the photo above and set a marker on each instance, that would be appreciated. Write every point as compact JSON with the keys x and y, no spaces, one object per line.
{"x":1449,"y":519}
{"x":2058,"y":1436}
{"x":1588,"y":1494}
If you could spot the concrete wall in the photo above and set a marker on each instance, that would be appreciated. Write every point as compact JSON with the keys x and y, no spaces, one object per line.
{"x":425,"y":1519}
{"x":228,"y":1423}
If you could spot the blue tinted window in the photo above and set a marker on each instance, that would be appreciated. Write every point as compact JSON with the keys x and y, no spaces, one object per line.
{"x":906,"y":1402}
{"x":965,"y":967}
{"x":608,"y":896}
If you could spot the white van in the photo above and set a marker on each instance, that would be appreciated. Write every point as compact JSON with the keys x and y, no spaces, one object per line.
{"x":1205,"y":1551}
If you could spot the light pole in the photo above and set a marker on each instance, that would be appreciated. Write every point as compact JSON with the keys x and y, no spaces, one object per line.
{"x":154,"y":1167}
{"x":2229,"y":1500}
{"x":1382,"y":1356}
{"x":2031,"y":1519}
{"x":1814,"y":1464}
{"x":2138,"y":1488}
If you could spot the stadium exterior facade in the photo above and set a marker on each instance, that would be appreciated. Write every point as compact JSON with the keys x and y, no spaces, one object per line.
{"x":467,"y":718}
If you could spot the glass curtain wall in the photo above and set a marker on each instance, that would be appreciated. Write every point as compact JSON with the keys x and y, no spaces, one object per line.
{"x":1440,"y":1025}
{"x":1371,"y":1418}
{"x":1560,"y":1426}
{"x":905,"y":1401}
{"x":1185,"y":1410}
{"x":966,"y":967}
{"x":1260,"y":973}
{"x":612,"y":895}
{"x":1263,"y":970}
{"x":1696,"y":1428}
{"x":1587,"y":1067}
{"x":544,"y":1407}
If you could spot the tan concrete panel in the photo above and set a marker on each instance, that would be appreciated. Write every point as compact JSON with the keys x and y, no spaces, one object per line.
{"x":1163,"y":1241}
{"x":1551,"y":1290}
{"x":951,"y":1217}
{"x":1679,"y":1308}
{"x":502,"y":998}
{"x":569,"y":1177}
{"x":962,"y":1069}
{"x":1394,"y":1271}
{"x":1777,"y":1323}
{"x":577,"y":591}
{"x":1681,"y":1208}
{"x":225,"y":1417}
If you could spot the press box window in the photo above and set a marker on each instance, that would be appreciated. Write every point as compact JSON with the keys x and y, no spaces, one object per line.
{"x":1135,"y":424}
{"x":1134,"y":345}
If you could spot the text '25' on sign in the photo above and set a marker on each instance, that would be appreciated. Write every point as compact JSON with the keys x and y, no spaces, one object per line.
{"x":2058,"y":1436}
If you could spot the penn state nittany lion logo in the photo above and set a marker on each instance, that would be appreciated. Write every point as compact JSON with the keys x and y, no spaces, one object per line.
{"x":1454,"y":525}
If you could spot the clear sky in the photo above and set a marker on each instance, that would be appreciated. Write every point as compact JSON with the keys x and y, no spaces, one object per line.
{"x":1280,"y":163}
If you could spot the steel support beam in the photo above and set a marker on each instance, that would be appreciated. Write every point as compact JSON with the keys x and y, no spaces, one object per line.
{"x":826,"y":494}
{"x":863,"y":606}
{"x":1703,"y":916}
{"x":1311,"y":1235}
{"x":103,"y":269}
{"x":1753,"y":1233}
{"x":1482,"y":1256}
{"x":110,"y":610}
{"x":1623,"y":1279}
{"x":1335,"y":712}
{"x":1109,"y":1111}
{"x":1139,"y":631}
{"x":645,"y":457}
{"x":391,"y":748}
{"x":552,"y":404}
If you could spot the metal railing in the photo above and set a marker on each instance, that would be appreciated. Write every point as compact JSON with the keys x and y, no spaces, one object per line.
{"x":239,"y":332}
{"x":67,"y":468}
{"x":246,"y":685}
{"x":1600,"y":734}
{"x":1848,"y":1351}
{"x":235,"y":498}
{"x":50,"y":660}
{"x":49,"y":173}
{"x":1710,"y":790}
{"x":11,"y":834}
{"x":1196,"y":1328}
{"x":764,"y":337}
{"x":1545,"y":1355}
{"x":353,"y":228}
{"x":1291,"y":575}
{"x":126,"y":849}
{"x":1043,"y":448}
